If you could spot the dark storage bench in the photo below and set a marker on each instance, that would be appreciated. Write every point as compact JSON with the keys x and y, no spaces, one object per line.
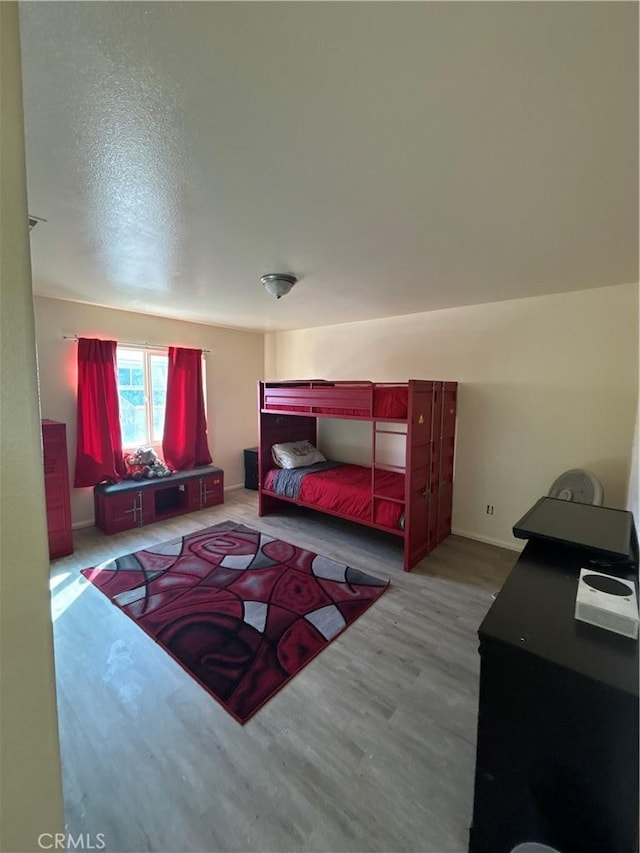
{"x":251,"y":468}
{"x":133,"y":503}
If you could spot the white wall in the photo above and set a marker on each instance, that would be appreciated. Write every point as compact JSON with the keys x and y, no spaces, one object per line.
{"x":546,"y":384}
{"x":30,"y":783}
{"x":233,"y":368}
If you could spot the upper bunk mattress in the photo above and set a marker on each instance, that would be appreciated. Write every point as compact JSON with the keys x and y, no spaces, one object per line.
{"x":389,"y":401}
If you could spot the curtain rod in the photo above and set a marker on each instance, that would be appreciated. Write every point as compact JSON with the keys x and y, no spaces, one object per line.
{"x":129,"y":344}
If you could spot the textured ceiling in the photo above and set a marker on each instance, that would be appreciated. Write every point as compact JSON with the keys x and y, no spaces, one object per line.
{"x":397,"y":157}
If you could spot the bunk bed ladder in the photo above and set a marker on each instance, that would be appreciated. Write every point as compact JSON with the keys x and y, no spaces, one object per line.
{"x":376,"y":465}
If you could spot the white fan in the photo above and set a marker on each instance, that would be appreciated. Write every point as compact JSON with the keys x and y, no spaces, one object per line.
{"x":578,"y":485}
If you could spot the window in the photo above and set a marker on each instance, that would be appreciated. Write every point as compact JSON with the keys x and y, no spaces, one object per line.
{"x":142,"y":390}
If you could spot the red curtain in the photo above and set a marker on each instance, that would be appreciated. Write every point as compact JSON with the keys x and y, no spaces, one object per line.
{"x":99,"y":441}
{"x":184,"y":443}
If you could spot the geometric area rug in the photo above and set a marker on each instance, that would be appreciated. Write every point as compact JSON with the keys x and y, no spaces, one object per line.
{"x":240,"y":611}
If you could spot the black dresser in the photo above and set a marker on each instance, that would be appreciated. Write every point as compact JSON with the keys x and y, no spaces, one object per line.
{"x":557,"y":751}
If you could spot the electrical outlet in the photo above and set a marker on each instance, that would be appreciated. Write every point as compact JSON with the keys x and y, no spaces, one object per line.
{"x":489,"y":509}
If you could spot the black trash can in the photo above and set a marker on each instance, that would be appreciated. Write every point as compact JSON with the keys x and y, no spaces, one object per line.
{"x":251,"y":468}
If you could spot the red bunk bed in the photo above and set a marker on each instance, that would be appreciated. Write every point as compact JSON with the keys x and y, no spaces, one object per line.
{"x":411,"y":501}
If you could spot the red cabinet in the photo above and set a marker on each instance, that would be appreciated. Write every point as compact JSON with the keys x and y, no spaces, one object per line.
{"x":205,"y":491}
{"x":56,"y":486}
{"x":128,"y":504}
{"x":439,"y":455}
{"x":124,"y":510}
{"x":446,"y":454}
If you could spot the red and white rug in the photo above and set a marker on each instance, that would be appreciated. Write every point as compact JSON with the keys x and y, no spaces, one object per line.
{"x":241,"y":611}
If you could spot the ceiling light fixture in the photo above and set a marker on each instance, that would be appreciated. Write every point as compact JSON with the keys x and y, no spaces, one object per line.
{"x":278,"y":284}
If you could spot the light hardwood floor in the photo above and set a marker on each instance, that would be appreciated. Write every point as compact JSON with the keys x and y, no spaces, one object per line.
{"x":370,"y":748}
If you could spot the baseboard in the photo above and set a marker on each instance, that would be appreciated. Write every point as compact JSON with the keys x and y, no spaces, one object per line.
{"x":234,"y":488}
{"x":490,"y":540}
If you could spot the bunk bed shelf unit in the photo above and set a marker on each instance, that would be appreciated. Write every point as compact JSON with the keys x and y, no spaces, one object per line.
{"x":413,"y":500}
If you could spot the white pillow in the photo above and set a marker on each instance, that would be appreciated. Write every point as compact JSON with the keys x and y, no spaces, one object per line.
{"x":296,"y":454}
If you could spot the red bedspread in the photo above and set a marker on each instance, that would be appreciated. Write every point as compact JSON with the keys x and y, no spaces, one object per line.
{"x":347,"y":490}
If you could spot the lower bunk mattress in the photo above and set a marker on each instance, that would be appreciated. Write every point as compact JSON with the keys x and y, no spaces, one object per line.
{"x":345,"y":489}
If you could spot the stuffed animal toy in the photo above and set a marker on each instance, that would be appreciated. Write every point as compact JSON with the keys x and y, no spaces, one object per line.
{"x":145,"y":464}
